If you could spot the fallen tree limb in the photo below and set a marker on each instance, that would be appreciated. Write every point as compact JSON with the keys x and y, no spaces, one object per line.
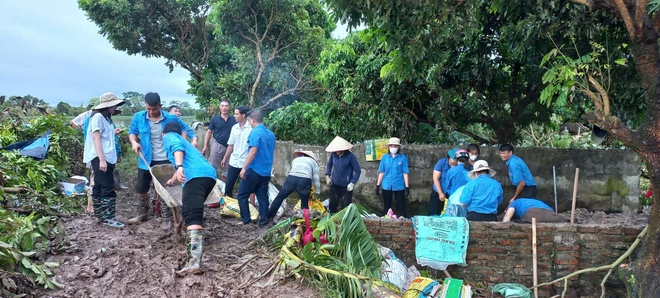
{"x":14,"y":189}
{"x":23,"y":211}
{"x":609,"y":267}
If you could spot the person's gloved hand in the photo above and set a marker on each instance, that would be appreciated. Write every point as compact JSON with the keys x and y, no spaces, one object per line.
{"x":406,"y":192}
{"x":328,"y":180}
{"x":350,"y":186}
{"x":317,"y":191}
{"x":378,"y":190}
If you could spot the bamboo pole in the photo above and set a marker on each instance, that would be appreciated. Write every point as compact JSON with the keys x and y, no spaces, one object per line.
{"x":536,"y":289}
{"x":575,"y":187}
{"x":554,"y":183}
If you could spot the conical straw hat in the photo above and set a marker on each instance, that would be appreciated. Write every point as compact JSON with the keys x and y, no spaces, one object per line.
{"x":338,"y":144}
{"x":308,"y":153}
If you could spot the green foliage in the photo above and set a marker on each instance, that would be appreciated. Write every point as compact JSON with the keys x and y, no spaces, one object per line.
{"x":350,"y":260}
{"x":26,"y":238}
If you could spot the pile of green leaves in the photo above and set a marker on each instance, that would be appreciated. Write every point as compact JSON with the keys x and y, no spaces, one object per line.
{"x":346,"y":266}
{"x":30,"y":199}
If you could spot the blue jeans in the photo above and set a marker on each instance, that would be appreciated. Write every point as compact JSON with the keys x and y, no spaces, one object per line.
{"x":253,"y":183}
{"x":298,"y":184}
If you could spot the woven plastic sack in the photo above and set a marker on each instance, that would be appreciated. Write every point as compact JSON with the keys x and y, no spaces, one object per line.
{"x":441,"y":241}
{"x":229,"y":207}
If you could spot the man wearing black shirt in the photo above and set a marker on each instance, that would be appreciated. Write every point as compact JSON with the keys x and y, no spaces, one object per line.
{"x":219,"y":128}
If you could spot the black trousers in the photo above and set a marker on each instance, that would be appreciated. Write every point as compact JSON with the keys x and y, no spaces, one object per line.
{"x":292,"y":183}
{"x":476,"y":216}
{"x":104,"y":182}
{"x":339,"y":194}
{"x":400,"y":201}
{"x":232,"y":177}
{"x":253,"y":183}
{"x":528,"y":192}
{"x":195,"y":192}
{"x":435,"y":205}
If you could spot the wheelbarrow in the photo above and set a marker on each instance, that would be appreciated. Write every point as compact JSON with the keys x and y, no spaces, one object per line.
{"x":173,"y":195}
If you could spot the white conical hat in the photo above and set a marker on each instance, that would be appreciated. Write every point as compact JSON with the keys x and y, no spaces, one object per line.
{"x":338,"y":144}
{"x":308,"y":153}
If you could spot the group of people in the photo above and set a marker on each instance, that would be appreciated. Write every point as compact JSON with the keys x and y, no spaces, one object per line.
{"x":468,"y":184}
{"x":241,"y":146}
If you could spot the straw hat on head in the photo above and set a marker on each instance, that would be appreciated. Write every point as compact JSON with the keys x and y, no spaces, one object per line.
{"x":308,"y":153}
{"x":107,"y":100}
{"x":338,"y":144}
{"x":394,"y":141}
{"x":480,"y":165}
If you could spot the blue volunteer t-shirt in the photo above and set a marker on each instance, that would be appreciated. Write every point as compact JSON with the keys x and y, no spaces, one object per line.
{"x":442,"y":166}
{"x":456,"y":177}
{"x":264,"y":140}
{"x":393,"y":168}
{"x":522,"y":205}
{"x":518,"y":171}
{"x":194,"y":163}
{"x":482,"y":194}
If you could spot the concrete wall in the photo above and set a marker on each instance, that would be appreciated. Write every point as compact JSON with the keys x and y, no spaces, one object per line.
{"x":502,"y":252}
{"x":609,"y":179}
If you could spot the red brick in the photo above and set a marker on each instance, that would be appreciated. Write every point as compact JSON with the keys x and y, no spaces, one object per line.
{"x":612,"y":231}
{"x":410,"y":246}
{"x":591,"y":230}
{"x":496,"y":250}
{"x":475,"y":249}
{"x":487,"y":257}
{"x":520,"y":236}
{"x":407,"y":224}
{"x":630,"y":231}
{"x":389,"y":231}
{"x":507,"y":242}
{"x":373,"y":230}
{"x":567,"y":248}
{"x":478,"y":235}
{"x":402,"y":239}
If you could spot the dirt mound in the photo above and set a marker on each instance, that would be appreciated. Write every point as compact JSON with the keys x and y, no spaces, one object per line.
{"x":584,"y":216}
{"x":141,"y":260}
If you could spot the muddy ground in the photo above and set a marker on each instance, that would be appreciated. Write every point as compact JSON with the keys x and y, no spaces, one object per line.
{"x":141,"y":260}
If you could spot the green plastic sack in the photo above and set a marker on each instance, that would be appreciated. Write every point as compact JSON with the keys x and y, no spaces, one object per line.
{"x":511,"y":290}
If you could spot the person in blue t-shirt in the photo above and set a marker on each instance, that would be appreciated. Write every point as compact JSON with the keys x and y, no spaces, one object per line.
{"x":439,"y":190}
{"x":256,"y":169}
{"x":527,"y":208}
{"x":198,"y":178}
{"x":520,"y":175}
{"x":393,"y":178}
{"x":483,"y":194}
{"x":458,"y":175}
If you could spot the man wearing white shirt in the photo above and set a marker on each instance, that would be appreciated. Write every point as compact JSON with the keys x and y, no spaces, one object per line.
{"x":237,"y":149}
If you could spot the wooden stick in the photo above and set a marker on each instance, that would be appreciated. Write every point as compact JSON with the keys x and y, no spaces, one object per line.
{"x":575,"y":187}
{"x":536,"y":290}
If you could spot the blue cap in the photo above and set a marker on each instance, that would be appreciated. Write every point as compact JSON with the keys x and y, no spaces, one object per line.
{"x":452,"y":152}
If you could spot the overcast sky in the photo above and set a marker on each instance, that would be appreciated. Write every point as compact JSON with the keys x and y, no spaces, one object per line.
{"x":50,"y":50}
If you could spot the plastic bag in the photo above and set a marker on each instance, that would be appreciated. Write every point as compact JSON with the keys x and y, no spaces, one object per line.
{"x":422,"y":287}
{"x":393,"y":271}
{"x":229,"y":207}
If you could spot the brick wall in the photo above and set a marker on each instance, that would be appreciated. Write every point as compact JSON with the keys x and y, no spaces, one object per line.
{"x":502,"y":252}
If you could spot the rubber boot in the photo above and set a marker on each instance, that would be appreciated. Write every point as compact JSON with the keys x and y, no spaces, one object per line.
{"x":142,"y":209}
{"x":118,"y":184}
{"x":98,"y":209}
{"x":109,"y":204}
{"x":166,"y":213}
{"x":194,"y":264}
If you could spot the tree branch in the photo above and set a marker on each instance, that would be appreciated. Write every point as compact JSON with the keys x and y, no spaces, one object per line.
{"x":625,"y":15}
{"x":614,"y":126}
{"x":604,"y":98}
{"x":639,"y":15}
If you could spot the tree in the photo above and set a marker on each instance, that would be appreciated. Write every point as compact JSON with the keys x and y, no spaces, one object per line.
{"x":277,"y":43}
{"x":642,"y":24}
{"x":172,"y":29}
{"x":133,"y":102}
{"x":63,"y":108}
{"x":475,"y":62}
